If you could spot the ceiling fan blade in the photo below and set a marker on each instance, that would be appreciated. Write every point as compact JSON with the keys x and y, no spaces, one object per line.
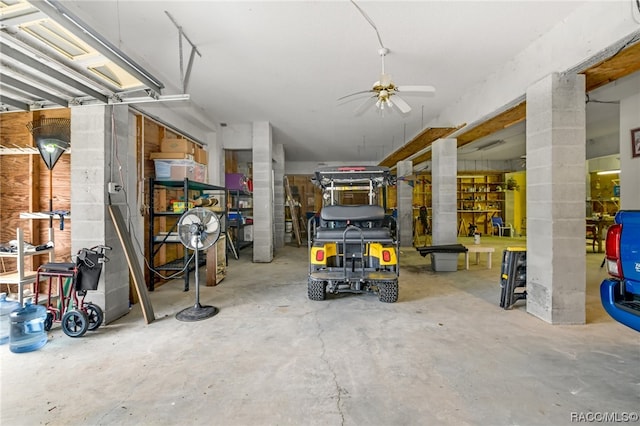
{"x":368,"y":103}
{"x":401,"y":104}
{"x":423,"y":89}
{"x":356,"y":93}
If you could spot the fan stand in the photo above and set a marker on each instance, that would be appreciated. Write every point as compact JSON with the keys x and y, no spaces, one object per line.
{"x":197,"y":312}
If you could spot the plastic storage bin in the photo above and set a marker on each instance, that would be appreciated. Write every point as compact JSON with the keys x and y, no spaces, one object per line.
{"x":27,"y":331}
{"x":6,"y":307}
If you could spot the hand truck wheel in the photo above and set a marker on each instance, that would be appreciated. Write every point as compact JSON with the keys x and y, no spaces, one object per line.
{"x":48,"y":321}
{"x":75,"y":323}
{"x":94,"y":315}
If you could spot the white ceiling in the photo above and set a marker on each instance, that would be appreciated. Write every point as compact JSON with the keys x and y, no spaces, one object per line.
{"x":289,"y":62}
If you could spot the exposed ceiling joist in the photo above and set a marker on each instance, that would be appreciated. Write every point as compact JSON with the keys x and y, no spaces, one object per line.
{"x":73,"y":24}
{"x":33,"y":90}
{"x":14,"y":103}
{"x":41,"y":67}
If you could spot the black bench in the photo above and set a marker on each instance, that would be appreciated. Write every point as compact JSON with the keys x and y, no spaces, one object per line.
{"x":445,"y":248}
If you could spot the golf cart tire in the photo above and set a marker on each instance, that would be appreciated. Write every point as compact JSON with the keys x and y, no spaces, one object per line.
{"x":388,"y":292}
{"x":316,"y":290}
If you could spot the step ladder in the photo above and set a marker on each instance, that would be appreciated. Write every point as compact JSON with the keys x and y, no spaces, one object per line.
{"x":295,"y":221}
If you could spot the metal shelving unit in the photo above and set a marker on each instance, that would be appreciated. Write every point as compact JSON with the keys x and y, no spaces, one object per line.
{"x":163,"y":234}
{"x":240,"y":219}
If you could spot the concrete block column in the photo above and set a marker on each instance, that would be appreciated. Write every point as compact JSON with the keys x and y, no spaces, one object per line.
{"x":278,"y":195}
{"x":444,"y":215}
{"x":404,"y":201}
{"x":556,"y":276}
{"x":92,"y":160}
{"x":262,"y":192}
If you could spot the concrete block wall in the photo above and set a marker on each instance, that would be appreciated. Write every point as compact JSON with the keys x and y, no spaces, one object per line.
{"x":404,"y":196}
{"x":556,"y":191}
{"x":444,"y":192}
{"x":262,"y":193}
{"x":444,"y":207}
{"x":92,"y":143}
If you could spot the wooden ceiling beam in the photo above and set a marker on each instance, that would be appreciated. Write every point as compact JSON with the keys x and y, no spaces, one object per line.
{"x":424,"y":139}
{"x":622,"y":64}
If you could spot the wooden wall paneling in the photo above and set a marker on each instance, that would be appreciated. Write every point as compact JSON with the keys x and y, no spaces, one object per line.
{"x":14,"y":132}
{"x":230,"y":161}
{"x":61,"y":185}
{"x":24,"y":186}
{"x":35,"y":163}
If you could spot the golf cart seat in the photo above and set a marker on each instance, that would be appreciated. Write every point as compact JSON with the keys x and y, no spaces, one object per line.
{"x":334,"y":221}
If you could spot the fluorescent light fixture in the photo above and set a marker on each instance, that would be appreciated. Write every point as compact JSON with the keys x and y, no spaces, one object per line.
{"x":160,"y":98}
{"x":491,"y":145}
{"x":609,"y":172}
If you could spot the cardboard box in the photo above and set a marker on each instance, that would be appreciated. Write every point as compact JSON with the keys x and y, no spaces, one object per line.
{"x":177,"y":145}
{"x":200,"y":155}
{"x":180,"y":172}
{"x":171,"y":156}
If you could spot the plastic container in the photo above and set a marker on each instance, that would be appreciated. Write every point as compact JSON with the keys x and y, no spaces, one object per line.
{"x":27,"y":331}
{"x":6,"y":307}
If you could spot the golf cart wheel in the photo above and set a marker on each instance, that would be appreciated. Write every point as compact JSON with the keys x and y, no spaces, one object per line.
{"x":75,"y":323}
{"x":316,"y":290}
{"x":48,"y":321}
{"x":388,"y":291}
{"x":94,"y":315}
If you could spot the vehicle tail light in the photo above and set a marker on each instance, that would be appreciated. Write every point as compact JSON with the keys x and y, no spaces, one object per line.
{"x":612,"y":251}
{"x":320,"y":255}
{"x":386,"y":255}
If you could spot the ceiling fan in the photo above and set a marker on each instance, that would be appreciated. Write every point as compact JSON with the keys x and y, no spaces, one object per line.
{"x":385,"y":88}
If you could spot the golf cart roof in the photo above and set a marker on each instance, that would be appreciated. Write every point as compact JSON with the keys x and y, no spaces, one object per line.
{"x":353,"y":176}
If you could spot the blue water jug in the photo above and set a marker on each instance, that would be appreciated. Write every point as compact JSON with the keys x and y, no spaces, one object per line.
{"x":6,"y":307}
{"x":27,"y":331}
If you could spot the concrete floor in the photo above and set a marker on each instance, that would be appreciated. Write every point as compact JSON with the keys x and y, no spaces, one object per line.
{"x":445,"y":354}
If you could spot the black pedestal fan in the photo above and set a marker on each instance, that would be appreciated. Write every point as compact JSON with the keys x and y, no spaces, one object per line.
{"x":198,"y":229}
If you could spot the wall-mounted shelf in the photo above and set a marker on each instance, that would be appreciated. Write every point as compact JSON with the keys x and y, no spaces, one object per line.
{"x":479,"y":198}
{"x":22,"y":276}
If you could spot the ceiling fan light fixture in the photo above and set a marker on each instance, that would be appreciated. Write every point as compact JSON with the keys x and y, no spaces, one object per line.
{"x":385,"y":80}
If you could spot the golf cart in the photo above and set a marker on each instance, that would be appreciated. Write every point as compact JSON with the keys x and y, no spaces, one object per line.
{"x":353,"y":248}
